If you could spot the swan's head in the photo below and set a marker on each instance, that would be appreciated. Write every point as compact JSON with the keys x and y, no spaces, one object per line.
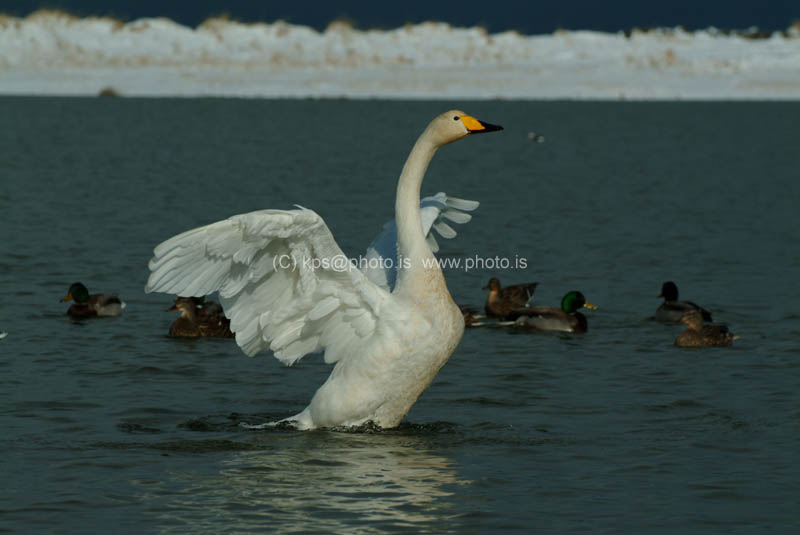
{"x":455,"y":124}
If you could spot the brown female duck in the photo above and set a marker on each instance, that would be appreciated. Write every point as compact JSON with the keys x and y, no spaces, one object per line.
{"x":699,"y":335}
{"x":199,"y":319}
{"x":501,"y":302}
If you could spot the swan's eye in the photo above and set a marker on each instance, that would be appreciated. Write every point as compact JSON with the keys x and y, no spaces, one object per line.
{"x":455,"y":117}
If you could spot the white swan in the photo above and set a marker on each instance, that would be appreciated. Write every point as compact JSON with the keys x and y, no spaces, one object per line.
{"x":380,"y":261}
{"x":286,"y":285}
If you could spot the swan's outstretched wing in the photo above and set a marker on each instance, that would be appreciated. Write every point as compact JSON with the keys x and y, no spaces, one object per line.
{"x":282,"y":279}
{"x":380,"y":264}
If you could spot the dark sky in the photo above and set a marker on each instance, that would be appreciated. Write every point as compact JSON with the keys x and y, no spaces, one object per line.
{"x":531,"y":16}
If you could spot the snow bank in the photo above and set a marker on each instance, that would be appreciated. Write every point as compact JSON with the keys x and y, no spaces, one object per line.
{"x":57,"y":54}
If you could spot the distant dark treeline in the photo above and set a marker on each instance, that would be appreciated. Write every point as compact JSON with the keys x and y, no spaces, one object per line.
{"x":533,"y":17}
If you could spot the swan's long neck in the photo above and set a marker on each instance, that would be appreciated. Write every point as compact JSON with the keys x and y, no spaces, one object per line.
{"x":414,"y":256}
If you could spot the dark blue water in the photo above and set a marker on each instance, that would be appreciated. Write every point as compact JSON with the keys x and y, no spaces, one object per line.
{"x":111,"y":425}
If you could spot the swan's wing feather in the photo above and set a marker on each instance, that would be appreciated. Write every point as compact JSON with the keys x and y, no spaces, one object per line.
{"x":445,"y":230}
{"x":433,"y":245}
{"x":456,"y":216}
{"x":460,"y":204}
{"x":282,"y":279}
{"x":381,"y":257}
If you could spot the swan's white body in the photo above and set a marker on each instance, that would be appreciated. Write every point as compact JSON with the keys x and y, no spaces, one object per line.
{"x":286,"y":285}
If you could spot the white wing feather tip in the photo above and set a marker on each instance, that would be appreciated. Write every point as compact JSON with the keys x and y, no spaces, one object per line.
{"x":432,"y":243}
{"x":444,"y":230}
{"x":462,"y":204}
{"x":457,"y":217}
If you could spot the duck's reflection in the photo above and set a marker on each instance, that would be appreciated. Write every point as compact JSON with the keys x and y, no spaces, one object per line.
{"x":326,"y":482}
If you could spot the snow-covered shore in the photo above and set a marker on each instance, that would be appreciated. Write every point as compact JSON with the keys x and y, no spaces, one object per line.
{"x":50,"y":53}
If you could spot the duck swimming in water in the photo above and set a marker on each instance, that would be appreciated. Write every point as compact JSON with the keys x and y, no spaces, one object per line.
{"x":471,"y":316}
{"x":287,"y":286}
{"x":699,"y":335}
{"x":503,"y":301}
{"x":87,"y":306}
{"x":566,"y":318}
{"x":199,"y":318}
{"x":672,"y":310}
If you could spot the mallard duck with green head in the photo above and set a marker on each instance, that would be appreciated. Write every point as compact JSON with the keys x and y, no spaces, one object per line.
{"x":502,"y":301}
{"x":199,"y":318}
{"x":672,"y":310}
{"x":697,"y":334}
{"x":566,"y":318}
{"x":87,"y":306}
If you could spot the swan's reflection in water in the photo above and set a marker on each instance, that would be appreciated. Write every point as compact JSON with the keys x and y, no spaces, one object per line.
{"x":321,"y":481}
